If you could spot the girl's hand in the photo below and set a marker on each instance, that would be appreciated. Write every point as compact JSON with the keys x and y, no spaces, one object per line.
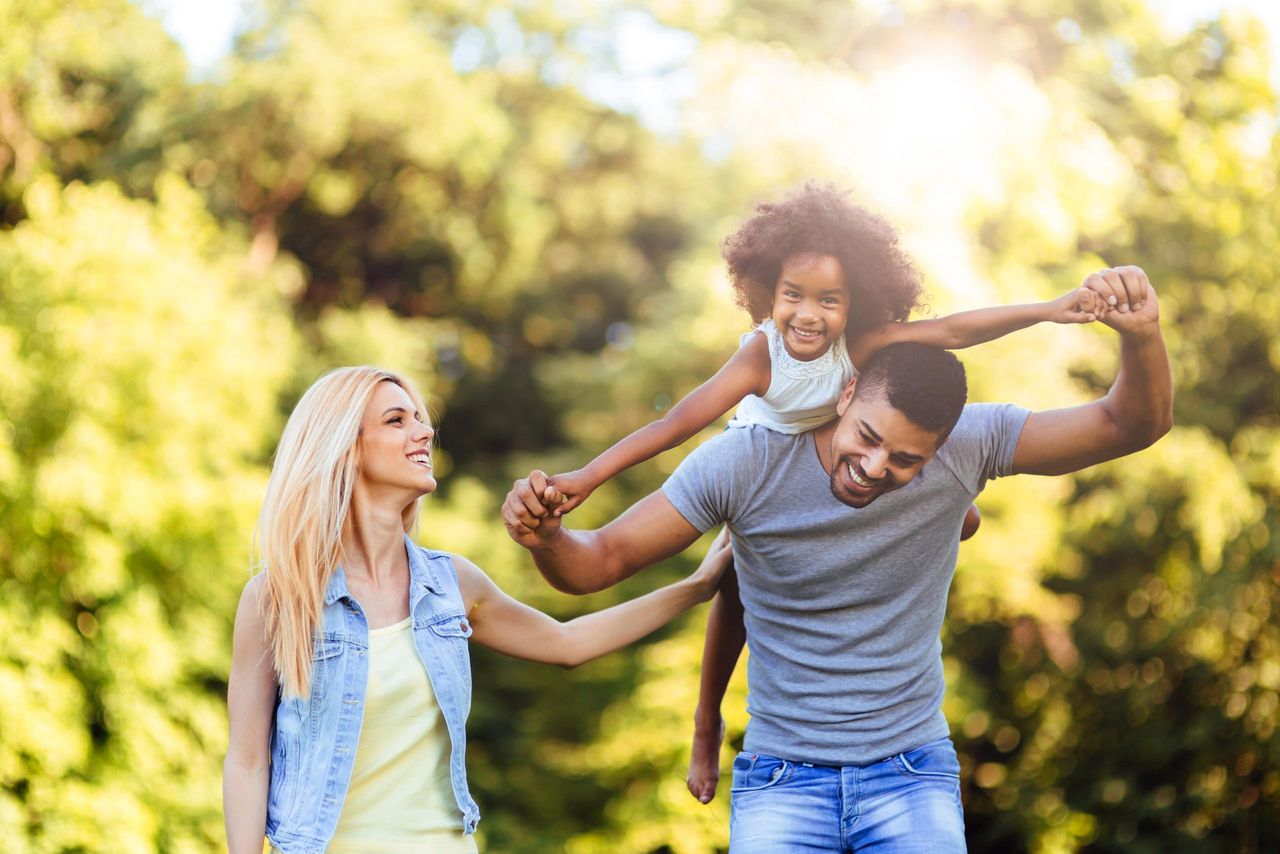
{"x":1080,"y":305}
{"x":719,"y":558}
{"x":574,"y":488}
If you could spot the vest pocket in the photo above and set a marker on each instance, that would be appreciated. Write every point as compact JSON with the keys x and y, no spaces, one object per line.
{"x":452,"y":626}
{"x":325,"y":650}
{"x":451,"y":633}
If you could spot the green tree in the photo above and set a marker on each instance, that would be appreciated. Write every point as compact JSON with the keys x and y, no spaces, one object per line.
{"x":142,"y":369}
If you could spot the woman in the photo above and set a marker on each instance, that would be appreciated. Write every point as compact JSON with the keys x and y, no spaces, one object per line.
{"x":350,"y":680}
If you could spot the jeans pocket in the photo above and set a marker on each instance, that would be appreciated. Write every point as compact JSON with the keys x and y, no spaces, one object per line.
{"x":936,"y":759}
{"x":753,"y":772}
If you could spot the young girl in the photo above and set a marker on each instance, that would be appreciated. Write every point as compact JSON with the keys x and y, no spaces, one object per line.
{"x":828,"y":286}
{"x":350,"y":679}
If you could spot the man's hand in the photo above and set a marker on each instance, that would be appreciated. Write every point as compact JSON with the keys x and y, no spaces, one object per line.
{"x":528,"y":511}
{"x":1131,"y":301}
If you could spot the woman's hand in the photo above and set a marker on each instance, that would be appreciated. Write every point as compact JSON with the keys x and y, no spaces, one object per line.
{"x":718,"y":558}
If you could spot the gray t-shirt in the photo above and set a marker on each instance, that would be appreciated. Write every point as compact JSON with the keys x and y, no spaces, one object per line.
{"x":843,"y":606}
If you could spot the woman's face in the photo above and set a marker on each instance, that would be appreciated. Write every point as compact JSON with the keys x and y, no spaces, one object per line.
{"x":395,"y":445}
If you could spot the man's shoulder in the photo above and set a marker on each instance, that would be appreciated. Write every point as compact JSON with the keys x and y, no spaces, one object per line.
{"x":732,"y":460}
{"x":982,"y":443}
{"x":980,"y":419}
{"x":742,"y":442}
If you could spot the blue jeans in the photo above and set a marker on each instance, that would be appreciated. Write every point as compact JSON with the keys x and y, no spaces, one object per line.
{"x":906,"y":803}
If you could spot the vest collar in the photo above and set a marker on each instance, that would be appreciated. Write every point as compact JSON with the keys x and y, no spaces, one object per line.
{"x":420,"y":572}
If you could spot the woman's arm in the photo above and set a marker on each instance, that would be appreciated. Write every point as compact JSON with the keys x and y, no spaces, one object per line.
{"x":513,"y":628}
{"x":968,"y":328}
{"x":747,"y":372}
{"x":251,"y":701}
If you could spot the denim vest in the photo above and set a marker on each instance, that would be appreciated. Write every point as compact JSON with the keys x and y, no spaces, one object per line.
{"x":313,"y":742}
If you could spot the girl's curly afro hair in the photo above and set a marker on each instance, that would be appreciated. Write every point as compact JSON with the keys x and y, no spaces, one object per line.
{"x":882,"y":283}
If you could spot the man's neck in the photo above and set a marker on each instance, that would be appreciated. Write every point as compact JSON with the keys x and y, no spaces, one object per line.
{"x":822,"y":443}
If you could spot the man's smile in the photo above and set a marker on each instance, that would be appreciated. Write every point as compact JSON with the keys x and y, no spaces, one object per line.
{"x":858,"y":478}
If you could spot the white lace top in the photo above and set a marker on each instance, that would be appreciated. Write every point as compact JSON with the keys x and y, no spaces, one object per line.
{"x":801,"y":395}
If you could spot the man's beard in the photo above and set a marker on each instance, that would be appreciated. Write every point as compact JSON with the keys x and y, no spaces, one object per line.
{"x":840,"y":492}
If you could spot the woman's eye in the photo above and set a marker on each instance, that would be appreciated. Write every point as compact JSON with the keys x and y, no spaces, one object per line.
{"x":396,"y":420}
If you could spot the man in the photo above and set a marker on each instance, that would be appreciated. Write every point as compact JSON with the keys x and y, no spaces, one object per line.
{"x":845,"y":540}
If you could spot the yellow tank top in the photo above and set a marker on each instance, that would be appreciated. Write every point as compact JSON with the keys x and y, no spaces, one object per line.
{"x":399,"y":799}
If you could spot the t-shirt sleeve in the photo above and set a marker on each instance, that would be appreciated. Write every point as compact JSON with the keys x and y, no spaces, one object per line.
{"x":706,"y":487}
{"x":981,"y":446}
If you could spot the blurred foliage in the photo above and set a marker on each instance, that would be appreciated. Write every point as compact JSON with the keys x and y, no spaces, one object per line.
{"x":447,"y":189}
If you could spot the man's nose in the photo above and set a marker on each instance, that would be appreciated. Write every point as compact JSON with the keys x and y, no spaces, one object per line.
{"x":874,"y":464}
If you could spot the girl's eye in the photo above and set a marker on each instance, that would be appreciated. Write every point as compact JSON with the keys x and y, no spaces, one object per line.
{"x":396,"y":420}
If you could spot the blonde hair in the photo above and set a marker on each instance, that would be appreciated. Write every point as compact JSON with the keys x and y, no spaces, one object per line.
{"x":306,"y":514}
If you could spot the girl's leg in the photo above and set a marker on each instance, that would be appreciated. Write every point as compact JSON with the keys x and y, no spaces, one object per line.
{"x":725,"y":639}
{"x":704,"y":760}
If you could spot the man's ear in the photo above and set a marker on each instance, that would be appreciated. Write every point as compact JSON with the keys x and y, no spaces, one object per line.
{"x":846,"y":397}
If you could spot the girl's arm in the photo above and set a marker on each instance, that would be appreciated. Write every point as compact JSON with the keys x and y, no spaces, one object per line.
{"x":967,"y":328}
{"x":513,"y":628}
{"x":251,"y":701}
{"x":747,"y":372}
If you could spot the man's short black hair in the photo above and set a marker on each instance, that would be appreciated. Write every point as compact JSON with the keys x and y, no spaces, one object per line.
{"x":926,"y":384}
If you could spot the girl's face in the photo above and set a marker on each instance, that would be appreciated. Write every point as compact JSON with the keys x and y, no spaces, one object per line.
{"x":395,"y":446}
{"x":810,"y":304}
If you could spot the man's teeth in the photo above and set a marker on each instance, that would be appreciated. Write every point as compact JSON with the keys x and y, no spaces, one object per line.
{"x":866,"y":484}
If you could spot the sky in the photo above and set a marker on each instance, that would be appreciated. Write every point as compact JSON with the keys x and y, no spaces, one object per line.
{"x":924,"y":181}
{"x":206,"y":28}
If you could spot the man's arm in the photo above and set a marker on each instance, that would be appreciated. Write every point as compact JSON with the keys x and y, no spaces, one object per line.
{"x":1136,"y":411}
{"x":587,"y":561}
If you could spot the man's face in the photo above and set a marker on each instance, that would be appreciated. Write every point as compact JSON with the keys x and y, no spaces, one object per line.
{"x":875,"y":449}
